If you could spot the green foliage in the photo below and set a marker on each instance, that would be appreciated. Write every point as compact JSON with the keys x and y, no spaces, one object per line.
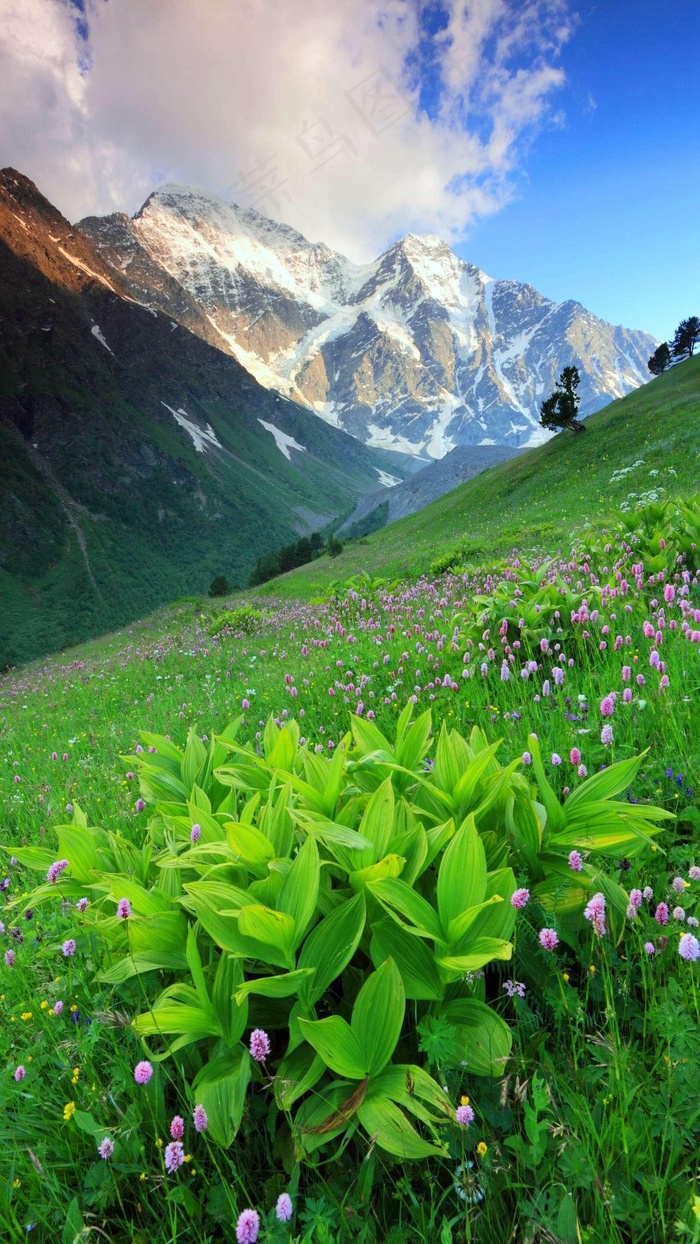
{"x":561,"y":409}
{"x":243,"y":620}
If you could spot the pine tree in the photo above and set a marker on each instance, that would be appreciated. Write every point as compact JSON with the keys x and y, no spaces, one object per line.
{"x":560,"y":410}
{"x":686,"y":338}
{"x":660,"y":359}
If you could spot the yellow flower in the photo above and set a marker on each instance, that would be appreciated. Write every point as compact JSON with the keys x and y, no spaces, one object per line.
{"x":565,"y":976}
{"x":26,"y":1015}
{"x":17,"y":1183}
{"x":74,"y":1007}
{"x":143,"y":1176}
{"x":51,"y":1011}
{"x":188,"y":1157}
{"x":68,"y":1110}
{"x":159,"y":1142}
{"x":464,"y":1101}
{"x":76,"y":1071}
{"x":30,"y":1058}
{"x":44,"y":1005}
{"x":592,"y":968}
{"x":482,"y":1148}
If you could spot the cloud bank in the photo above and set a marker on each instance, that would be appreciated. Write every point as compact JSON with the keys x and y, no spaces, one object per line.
{"x":354,"y":121}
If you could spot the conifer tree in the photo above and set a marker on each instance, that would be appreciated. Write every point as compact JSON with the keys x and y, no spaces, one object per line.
{"x":560,"y":410}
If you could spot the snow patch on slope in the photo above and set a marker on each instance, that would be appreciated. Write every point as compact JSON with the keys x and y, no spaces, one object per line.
{"x":78,"y":263}
{"x":201,"y":438}
{"x":283,"y":442}
{"x":389,"y":481}
{"x":97,"y":332}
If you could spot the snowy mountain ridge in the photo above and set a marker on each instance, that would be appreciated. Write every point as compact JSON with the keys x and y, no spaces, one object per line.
{"x":418,"y":351}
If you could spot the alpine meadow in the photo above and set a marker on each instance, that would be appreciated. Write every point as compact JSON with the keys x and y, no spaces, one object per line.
{"x":349,"y":623}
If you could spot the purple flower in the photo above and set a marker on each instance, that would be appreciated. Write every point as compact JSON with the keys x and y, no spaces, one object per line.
{"x":259,"y":1044}
{"x":245,"y":705}
{"x":595,"y":912}
{"x":195,"y":833}
{"x":201,"y":1122}
{"x":647,"y":892}
{"x":689,"y":947}
{"x":56,"y":869}
{"x":548,"y":939}
{"x":636,"y":898}
{"x":582,"y":771}
{"x":556,"y":758}
{"x":650,"y":948}
{"x":248,"y":1226}
{"x":661,"y":914}
{"x":123,"y":908}
{"x":464,"y":1115}
{"x":526,"y":758}
{"x":284,"y":1208}
{"x":20,"y":1073}
{"x":678,"y":913}
{"x":57,"y":1007}
{"x":514,"y":989}
{"x":694,"y":872}
{"x":174,"y":1156}
{"x":607,"y":706}
{"x":575,"y":756}
{"x":606,"y":735}
{"x":177,"y":1127}
{"x":143,"y":1072}
{"x":140,"y":805}
{"x":68,"y":948}
{"x":678,"y":884}
{"x":575,"y":861}
{"x":106,"y":1148}
{"x":520,"y":898}
{"x":10,"y":958}
{"x":82,"y":904}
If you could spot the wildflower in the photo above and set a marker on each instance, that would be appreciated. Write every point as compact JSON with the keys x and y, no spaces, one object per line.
{"x":140,"y":805}
{"x":526,"y":758}
{"x":57,"y":1007}
{"x":20,"y":1073}
{"x":143,"y":1072}
{"x":650,"y":948}
{"x":248,"y":1226}
{"x":174,"y":1156}
{"x":693,"y":922}
{"x":689,"y":947}
{"x":464,"y":1115}
{"x":576,"y":861}
{"x":514,"y":988}
{"x":520,"y":898}
{"x":123,"y":908}
{"x":661,"y":914}
{"x":595,"y":912}
{"x":245,"y":705}
{"x":647,"y":892}
{"x":678,"y":884}
{"x":68,"y":1111}
{"x":636,"y":898}
{"x":68,"y":948}
{"x":556,"y":758}
{"x":177,"y":1127}
{"x":106,"y":1148}
{"x":582,"y":771}
{"x":82,"y":904}
{"x":195,"y":833}
{"x":548,"y":939}
{"x":259,"y":1045}
{"x":607,"y":706}
{"x":606,"y":735}
{"x":201,"y":1122}
{"x":631,"y":912}
{"x":482,"y":1149}
{"x":10,"y":958}
{"x":694,"y":872}
{"x":283,"y":1208}
{"x":56,"y":869}
{"x":575,"y":756}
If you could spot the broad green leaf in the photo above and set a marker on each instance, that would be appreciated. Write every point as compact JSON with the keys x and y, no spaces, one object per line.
{"x":232,"y":1015}
{"x":331,"y":945}
{"x":605,"y":785}
{"x":164,"y":932}
{"x":377,"y":822}
{"x":275,"y":986}
{"x":193,"y":759}
{"x":79,"y":847}
{"x":390,"y":866}
{"x":299,"y":892}
{"x":482,"y":951}
{"x":249,"y":844}
{"x":556,"y":816}
{"x":459,"y":929}
{"x":144,"y":961}
{"x":221,"y":1088}
{"x":269,"y":927}
{"x":415,"y":961}
{"x":462,"y":876}
{"x":400,"y":900}
{"x":386,"y":1124}
{"x":485,"y":1038}
{"x":337,"y":1044}
{"x":414,"y":744}
{"x":377,"y":1016}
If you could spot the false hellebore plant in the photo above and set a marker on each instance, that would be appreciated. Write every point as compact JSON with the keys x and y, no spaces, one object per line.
{"x":310,"y":899}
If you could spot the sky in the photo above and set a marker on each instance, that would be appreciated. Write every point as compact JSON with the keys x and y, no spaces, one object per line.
{"x":547,"y":141}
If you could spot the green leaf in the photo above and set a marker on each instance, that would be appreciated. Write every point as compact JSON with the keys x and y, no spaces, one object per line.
{"x":299,"y":892}
{"x":275,"y":986}
{"x":231,"y":1015}
{"x":482,"y":951}
{"x":79,"y":847}
{"x":377,"y":1016}
{"x":606,"y":784}
{"x":377,"y":822}
{"x":399,"y":899}
{"x":297,"y":1073}
{"x":337,"y":1044}
{"x":415,"y":961}
{"x":386,"y":1124}
{"x":390,"y":866}
{"x":269,"y":927}
{"x":221,"y":1088}
{"x":249,"y":845}
{"x":331,"y":945}
{"x":193,"y":759}
{"x":485,"y":1038}
{"x":556,"y":816}
{"x":462,"y":876}
{"x":143,"y":961}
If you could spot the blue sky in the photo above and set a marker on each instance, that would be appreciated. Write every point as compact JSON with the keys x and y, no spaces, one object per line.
{"x":607,"y":209}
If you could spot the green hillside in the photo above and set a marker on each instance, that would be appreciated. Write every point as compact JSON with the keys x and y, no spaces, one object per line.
{"x":645,"y":443}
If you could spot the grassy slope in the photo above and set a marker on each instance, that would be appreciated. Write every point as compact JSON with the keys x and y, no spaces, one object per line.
{"x":563,"y":484}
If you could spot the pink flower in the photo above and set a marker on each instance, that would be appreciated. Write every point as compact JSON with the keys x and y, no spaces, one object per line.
{"x":606,"y":735}
{"x":123,"y":908}
{"x":694,"y":872}
{"x":82,"y":904}
{"x":575,"y":756}
{"x":678,"y":884}
{"x":259,"y":1045}
{"x":245,"y":705}
{"x":56,"y":869}
{"x":636,"y":897}
{"x":607,"y":706}
{"x":174,"y":1156}
{"x":582,"y":771}
{"x":195,"y":833}
{"x":248,"y":1226}
{"x":576,"y":861}
{"x":526,"y":758}
{"x":68,"y":948}
{"x":556,"y":758}
{"x":548,"y":939}
{"x":201,"y":1122}
{"x":140,"y":805}
{"x":661,"y":914}
{"x":143,"y":1072}
{"x":689,"y":947}
{"x":106,"y":1148}
{"x":10,"y":958}
{"x":284,"y":1208}
{"x":650,"y":948}
{"x":20,"y":1073}
{"x":464,"y":1115}
{"x":177,"y":1127}
{"x":520,"y":898}
{"x":595,"y":912}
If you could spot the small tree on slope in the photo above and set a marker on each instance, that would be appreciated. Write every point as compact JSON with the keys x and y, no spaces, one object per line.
{"x":660,"y":359}
{"x":686,"y":338}
{"x":561,"y":409}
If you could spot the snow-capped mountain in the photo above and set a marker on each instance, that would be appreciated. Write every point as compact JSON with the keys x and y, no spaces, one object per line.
{"x":418,"y":352}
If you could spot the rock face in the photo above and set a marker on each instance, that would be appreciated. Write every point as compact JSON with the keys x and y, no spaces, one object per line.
{"x":383,"y":506}
{"x":417,"y":352}
{"x":138,"y":461}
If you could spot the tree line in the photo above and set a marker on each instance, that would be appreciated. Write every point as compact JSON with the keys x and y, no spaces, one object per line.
{"x":685,"y":339}
{"x":292,"y":555}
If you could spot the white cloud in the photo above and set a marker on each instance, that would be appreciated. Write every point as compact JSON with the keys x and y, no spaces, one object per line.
{"x":308,"y":110}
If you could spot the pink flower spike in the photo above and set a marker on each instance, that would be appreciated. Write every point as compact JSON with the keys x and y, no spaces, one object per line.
{"x":284,"y":1207}
{"x":259,"y":1045}
{"x":123,"y":909}
{"x":143,"y":1072}
{"x":177,"y":1127}
{"x":248,"y":1226}
{"x":20,"y":1073}
{"x":464,"y":1115}
{"x":520,"y":898}
{"x":106,"y":1148}
{"x":174,"y":1156}
{"x":68,"y":948}
{"x":201,"y":1122}
{"x":575,"y":861}
{"x":689,"y":947}
{"x":548,"y":939}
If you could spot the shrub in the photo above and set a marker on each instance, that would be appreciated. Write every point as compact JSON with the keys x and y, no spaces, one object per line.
{"x":219,"y":586}
{"x":243,"y":620}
